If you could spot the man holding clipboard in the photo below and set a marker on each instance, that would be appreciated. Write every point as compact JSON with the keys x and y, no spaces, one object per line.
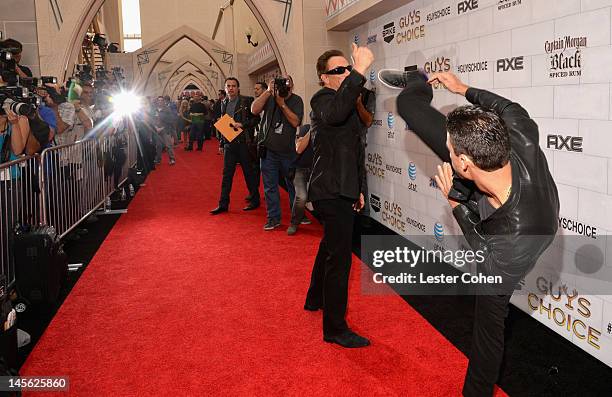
{"x":236,"y":127}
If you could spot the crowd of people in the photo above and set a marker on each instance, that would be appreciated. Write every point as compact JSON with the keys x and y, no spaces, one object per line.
{"x":492,"y":175}
{"x":493,"y":172}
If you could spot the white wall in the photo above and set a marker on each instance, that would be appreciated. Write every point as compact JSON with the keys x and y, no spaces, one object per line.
{"x":577,"y":102}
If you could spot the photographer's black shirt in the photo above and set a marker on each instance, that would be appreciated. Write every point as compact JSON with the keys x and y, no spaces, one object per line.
{"x":279,"y":133}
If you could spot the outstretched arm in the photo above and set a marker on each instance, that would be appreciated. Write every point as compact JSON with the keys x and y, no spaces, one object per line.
{"x":515,"y":117}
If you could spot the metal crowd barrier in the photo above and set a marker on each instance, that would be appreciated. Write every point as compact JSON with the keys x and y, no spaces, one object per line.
{"x":78,"y":178}
{"x":61,"y":187}
{"x":19,"y":204}
{"x":72,"y":184}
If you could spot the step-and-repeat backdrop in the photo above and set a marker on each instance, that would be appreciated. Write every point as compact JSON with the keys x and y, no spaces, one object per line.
{"x":553,"y":57}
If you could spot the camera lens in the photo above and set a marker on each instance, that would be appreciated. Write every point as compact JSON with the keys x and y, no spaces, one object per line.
{"x":18,"y":108}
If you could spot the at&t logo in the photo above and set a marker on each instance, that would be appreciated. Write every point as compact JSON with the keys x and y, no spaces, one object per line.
{"x":372,"y":76}
{"x":390,"y":120}
{"x":412,"y":171}
{"x":439,"y":231}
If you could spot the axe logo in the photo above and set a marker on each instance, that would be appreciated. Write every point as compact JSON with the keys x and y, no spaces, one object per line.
{"x":560,"y":142}
{"x":514,"y":63}
{"x":465,"y":6}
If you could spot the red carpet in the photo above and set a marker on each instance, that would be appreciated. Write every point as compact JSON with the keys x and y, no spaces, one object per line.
{"x":178,"y":302}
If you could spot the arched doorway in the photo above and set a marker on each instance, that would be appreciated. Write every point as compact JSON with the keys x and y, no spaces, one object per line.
{"x":184,"y":81}
{"x":92,"y":7}
{"x":179,"y":63}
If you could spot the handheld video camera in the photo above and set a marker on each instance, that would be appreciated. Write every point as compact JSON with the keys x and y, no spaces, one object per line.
{"x":281,"y":87}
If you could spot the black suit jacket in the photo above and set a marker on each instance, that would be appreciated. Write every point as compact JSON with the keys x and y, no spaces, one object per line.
{"x":335,"y":132}
{"x":242,"y":115}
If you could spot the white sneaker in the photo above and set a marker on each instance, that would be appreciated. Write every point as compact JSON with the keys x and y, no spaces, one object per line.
{"x":23,"y":338}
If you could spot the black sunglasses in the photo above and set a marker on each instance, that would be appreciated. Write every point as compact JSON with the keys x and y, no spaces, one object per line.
{"x":340,"y":70}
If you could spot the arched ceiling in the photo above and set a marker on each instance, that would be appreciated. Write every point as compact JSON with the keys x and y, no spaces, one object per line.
{"x":148,"y":57}
{"x":189,"y":63}
{"x":190,"y":79}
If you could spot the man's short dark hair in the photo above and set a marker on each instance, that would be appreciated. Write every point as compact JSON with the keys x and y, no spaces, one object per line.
{"x":233,"y":78}
{"x":11,"y":43}
{"x":323,"y":59}
{"x":479,"y":134}
{"x":262,"y":84}
{"x":222,"y":92}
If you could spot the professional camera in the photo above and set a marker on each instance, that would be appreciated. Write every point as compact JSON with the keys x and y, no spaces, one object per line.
{"x":7,"y":66}
{"x":281,"y":87}
{"x":48,"y":80}
{"x":18,"y":100}
{"x":83,"y":73}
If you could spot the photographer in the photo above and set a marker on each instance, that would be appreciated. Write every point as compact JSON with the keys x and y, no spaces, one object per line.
{"x":14,"y":133}
{"x":164,"y":124}
{"x":83,"y":122}
{"x":303,"y":165}
{"x":16,"y":49}
{"x":64,"y":115}
{"x":283,"y":113}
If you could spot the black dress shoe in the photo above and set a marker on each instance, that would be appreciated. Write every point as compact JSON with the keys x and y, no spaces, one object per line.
{"x":251,"y":207}
{"x":312,"y":308}
{"x":348,"y":339}
{"x":218,"y":210}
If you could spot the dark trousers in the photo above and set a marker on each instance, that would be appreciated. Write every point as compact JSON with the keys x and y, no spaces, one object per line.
{"x":196,"y":134}
{"x":234,"y":153}
{"x":330,"y":274}
{"x":487,"y":349}
{"x":300,"y":183}
{"x":207,"y":129}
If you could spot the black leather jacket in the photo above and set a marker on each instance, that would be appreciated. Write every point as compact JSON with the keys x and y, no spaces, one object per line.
{"x":335,"y":132}
{"x":515,"y":235}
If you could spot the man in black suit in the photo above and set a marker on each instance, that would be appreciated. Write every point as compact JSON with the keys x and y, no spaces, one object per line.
{"x":335,"y":187}
{"x":239,"y":108}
